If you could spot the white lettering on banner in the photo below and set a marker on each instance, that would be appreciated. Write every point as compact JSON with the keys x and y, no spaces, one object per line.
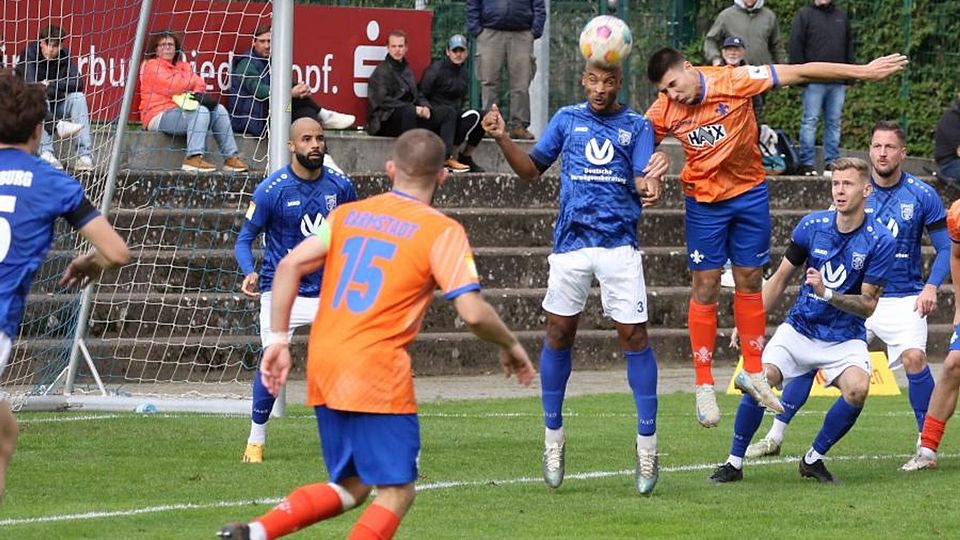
{"x":366,"y":58}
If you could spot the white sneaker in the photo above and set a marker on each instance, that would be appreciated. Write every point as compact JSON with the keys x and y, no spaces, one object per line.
{"x":51,"y":159}
{"x":764,"y":447}
{"x":648,"y":470}
{"x":708,"y":413}
{"x":553,"y":458}
{"x":83,"y":164}
{"x":67,"y":129}
{"x":755,"y":384}
{"x":920,"y":461}
{"x":336,"y":120}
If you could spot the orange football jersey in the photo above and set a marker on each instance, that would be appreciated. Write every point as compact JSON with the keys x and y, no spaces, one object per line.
{"x":719,"y":133}
{"x":387,"y":254}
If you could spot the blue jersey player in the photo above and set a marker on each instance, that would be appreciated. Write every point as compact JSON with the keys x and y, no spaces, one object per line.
{"x":288,"y":206}
{"x":32,"y":196}
{"x":606,"y":176}
{"x":847,"y":256}
{"x":906,"y":206}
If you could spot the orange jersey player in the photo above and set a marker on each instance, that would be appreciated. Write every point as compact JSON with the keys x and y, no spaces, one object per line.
{"x":727,"y":206}
{"x":383,"y":258}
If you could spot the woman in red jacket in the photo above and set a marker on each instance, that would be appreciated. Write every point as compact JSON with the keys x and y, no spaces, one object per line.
{"x":166,"y":86}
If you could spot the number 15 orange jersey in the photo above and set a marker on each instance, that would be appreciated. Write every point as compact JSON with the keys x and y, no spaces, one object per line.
{"x":387,"y":254}
{"x":718,"y":133}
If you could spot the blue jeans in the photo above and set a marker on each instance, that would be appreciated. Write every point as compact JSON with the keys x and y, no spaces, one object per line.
{"x":951,"y":169}
{"x":195,"y":124}
{"x":828,"y":100}
{"x":74,"y":108}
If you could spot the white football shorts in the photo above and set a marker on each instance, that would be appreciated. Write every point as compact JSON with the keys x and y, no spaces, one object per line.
{"x":619,"y":271}
{"x":303,"y":312}
{"x":795,"y":354}
{"x":898,"y":326}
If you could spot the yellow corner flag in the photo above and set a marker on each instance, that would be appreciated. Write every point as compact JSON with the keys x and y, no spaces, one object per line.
{"x":882,"y":382}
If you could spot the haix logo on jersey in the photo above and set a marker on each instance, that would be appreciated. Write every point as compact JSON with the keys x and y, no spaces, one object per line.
{"x":819,"y":251}
{"x":293,"y":203}
{"x":309,"y":227}
{"x":599,"y":154}
{"x":581,"y":129}
{"x":833,"y":277}
{"x":707,"y":135}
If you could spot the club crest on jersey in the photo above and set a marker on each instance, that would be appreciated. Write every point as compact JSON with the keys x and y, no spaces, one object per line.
{"x":834,"y":277}
{"x":309,"y":227}
{"x":599,"y":154}
{"x":858,"y":260}
{"x":331,"y":201}
{"x":906,"y":211}
{"x":707,"y":135}
{"x":624,"y":137}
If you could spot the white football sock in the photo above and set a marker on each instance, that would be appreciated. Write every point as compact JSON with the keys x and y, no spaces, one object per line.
{"x":258,"y":433}
{"x":647,"y":441}
{"x":736,"y":461}
{"x":257,"y":532}
{"x":776,"y":431}
{"x":554,"y":436}
{"x":812,"y":456}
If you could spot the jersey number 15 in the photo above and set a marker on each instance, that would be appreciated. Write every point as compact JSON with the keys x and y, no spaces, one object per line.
{"x":362,"y":276}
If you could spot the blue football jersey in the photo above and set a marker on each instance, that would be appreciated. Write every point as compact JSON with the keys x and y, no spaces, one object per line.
{"x":288,"y":209}
{"x":32,"y":196}
{"x":599,"y":157}
{"x":846,"y":261}
{"x":906,"y":209}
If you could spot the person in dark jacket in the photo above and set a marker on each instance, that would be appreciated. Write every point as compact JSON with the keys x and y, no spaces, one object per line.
{"x":505,"y":30}
{"x":446,"y":82}
{"x":396,"y":105}
{"x":45,"y":61}
{"x":755,"y":24}
{"x":821,"y":33}
{"x":946,"y":142}
{"x":249,"y":95}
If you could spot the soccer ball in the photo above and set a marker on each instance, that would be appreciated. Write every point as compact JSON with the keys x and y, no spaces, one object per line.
{"x":605,"y":41}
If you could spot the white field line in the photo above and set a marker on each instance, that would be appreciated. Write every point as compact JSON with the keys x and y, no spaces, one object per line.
{"x":433,"y":486}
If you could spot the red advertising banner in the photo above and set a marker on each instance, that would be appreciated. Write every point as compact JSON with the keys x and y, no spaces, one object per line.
{"x":335,"y":49}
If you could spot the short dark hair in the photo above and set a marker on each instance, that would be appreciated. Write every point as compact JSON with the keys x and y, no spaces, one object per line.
{"x":52,"y":33}
{"x":662,"y":61}
{"x":151,"y":50}
{"x":398,"y":33}
{"x":888,"y":125}
{"x":23,"y":106}
{"x":261,"y":30}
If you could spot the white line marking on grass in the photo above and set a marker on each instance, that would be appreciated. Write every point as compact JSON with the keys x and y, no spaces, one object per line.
{"x":432,"y":486}
{"x":68,"y":419}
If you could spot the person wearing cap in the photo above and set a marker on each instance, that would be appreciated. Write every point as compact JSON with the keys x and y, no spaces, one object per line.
{"x":755,"y":24}
{"x":733,"y":51}
{"x":47,"y":62}
{"x":446,"y":83}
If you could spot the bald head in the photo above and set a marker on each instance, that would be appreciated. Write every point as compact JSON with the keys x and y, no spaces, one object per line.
{"x":418,"y":156}
{"x":300,"y":125}
{"x":307,"y":145}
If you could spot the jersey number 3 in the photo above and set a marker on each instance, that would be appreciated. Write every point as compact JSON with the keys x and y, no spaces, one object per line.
{"x":8,"y":204}
{"x":362,"y":277}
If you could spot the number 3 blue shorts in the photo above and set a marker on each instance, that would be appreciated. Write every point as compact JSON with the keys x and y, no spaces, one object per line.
{"x":381,"y":449}
{"x":737,"y":229}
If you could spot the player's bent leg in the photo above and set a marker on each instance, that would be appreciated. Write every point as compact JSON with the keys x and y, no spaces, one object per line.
{"x":794,"y":396}
{"x":920,"y":383}
{"x":854,"y":384}
{"x":381,"y":519}
{"x":942,"y":405}
{"x":9,"y":431}
{"x":702,"y":322}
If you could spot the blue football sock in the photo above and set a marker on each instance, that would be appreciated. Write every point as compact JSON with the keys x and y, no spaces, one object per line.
{"x":642,"y":376}
{"x":795,"y":394}
{"x":262,"y":401}
{"x":555,"y":368}
{"x":840,"y":418}
{"x":747,"y":422}
{"x":920,"y":388}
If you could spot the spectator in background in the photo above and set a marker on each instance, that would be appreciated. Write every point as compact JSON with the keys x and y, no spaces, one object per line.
{"x":396,"y":105}
{"x":446,"y":82}
{"x":946,"y":142}
{"x":249,"y":95}
{"x":505,"y":30}
{"x":734,"y":54}
{"x":821,"y":33}
{"x":755,"y":25}
{"x":45,"y":61}
{"x":172,"y":102}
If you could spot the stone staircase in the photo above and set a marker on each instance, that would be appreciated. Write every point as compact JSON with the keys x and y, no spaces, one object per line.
{"x":184,"y":281}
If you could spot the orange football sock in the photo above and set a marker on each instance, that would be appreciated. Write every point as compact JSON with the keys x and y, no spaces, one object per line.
{"x":751,"y":321}
{"x":932,"y":432}
{"x":304,"y":506}
{"x":376,"y":523}
{"x":702,"y":322}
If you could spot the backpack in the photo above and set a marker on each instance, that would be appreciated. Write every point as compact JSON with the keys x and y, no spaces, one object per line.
{"x":788,"y":151}
{"x":773,"y":162}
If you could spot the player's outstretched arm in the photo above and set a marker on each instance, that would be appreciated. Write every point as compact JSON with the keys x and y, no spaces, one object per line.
{"x":110,"y":251}
{"x":880,"y":68}
{"x":518,"y":160}
{"x":484,"y":322}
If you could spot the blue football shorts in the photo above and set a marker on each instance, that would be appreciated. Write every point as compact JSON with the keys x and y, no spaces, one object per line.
{"x":955,"y":339}
{"x":737,"y":229}
{"x":381,"y":449}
